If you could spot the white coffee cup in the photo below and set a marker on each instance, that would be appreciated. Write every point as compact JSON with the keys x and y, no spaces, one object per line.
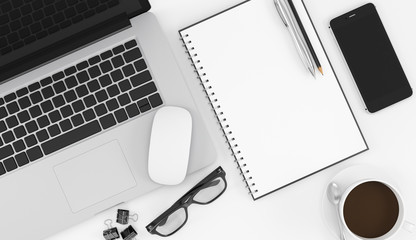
{"x":400,"y":223}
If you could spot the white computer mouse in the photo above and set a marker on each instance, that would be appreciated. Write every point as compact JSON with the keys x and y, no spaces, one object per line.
{"x":170,"y":145}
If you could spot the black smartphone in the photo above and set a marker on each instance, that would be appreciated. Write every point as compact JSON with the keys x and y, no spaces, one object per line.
{"x":371,"y":58}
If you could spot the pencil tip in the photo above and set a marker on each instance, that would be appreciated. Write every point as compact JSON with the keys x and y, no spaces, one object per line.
{"x":320,"y":69}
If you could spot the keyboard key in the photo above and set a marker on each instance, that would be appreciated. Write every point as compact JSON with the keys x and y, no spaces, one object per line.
{"x":83,"y":77}
{"x":6,"y":151}
{"x":117,"y":61}
{"x":59,"y":87}
{"x":47,"y":92}
{"x":132,"y":55}
{"x":19,"y":146}
{"x":31,"y":126}
{"x":71,"y":137}
{"x":105,"y":80}
{"x":35,"y":111}
{"x":112,"y":105}
{"x":55,"y":116}
{"x":43,"y":121}
{"x":90,"y":101}
{"x":3,"y":126}
{"x":10,"y":164}
{"x":124,"y":85}
{"x":69,"y":71}
{"x":30,"y":140}
{"x":77,"y":120}
{"x":58,"y":101}
{"x":132,"y":110}
{"x":3,"y":112}
{"x":71,"y":82}
{"x":54,"y":130}
{"x":143,"y":91}
{"x":130,"y":44}
{"x":24,"y":102}
{"x":107,"y":121}
{"x":36,"y":97}
{"x":66,"y":111}
{"x":88,"y":115}
{"x":93,"y":85}
{"x":78,"y":106}
{"x":144,"y":105}
{"x":21,"y":159}
{"x":23,"y":116}
{"x":100,"y":109}
{"x":1,"y":101}
{"x":94,"y":60}
{"x":47,"y":106}
{"x":121,"y":115}
{"x":2,"y":169}
{"x":113,"y":91}
{"x":81,"y":91}
{"x":155,"y":100}
{"x":140,"y":78}
{"x":12,"y":107}
{"x":140,"y":65}
{"x":12,"y":122}
{"x":42,"y":135}
{"x":128,"y":70}
{"x":124,"y":99}
{"x":8,"y":137}
{"x":34,"y":86}
{"x":70,"y":12}
{"x":106,"y":66}
{"x":82,"y":65}
{"x":106,"y":54}
{"x":101,"y":96}
{"x":65,"y":125}
{"x":22,"y":92}
{"x":118,"y":49}
{"x":94,"y":72}
{"x":70,"y":96}
{"x":116,"y":75}
{"x":34,"y":153}
{"x":10,"y":97}
{"x":46,"y":81}
{"x":19,"y":132}
{"x":58,"y":76}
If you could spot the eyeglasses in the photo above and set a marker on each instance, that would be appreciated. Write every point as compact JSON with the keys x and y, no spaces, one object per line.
{"x":205,"y":192}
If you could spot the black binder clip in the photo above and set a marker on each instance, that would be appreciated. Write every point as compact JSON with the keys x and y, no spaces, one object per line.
{"x":111,"y":233}
{"x":129,"y":233}
{"x":123,"y":216}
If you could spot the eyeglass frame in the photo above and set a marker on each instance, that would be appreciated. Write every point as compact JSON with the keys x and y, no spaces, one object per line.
{"x":186,"y":200}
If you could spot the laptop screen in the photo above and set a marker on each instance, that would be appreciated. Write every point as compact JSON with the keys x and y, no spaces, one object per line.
{"x":35,"y":32}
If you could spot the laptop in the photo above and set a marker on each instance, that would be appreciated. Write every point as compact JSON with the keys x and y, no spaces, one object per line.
{"x":80,"y":84}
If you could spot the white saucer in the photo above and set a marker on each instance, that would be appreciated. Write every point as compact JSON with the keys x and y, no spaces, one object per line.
{"x":344,"y":179}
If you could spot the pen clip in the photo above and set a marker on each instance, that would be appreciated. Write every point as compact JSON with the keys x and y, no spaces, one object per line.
{"x":279,"y":8}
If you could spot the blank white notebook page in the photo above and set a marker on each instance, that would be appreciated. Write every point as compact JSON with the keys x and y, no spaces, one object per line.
{"x":287,"y":124}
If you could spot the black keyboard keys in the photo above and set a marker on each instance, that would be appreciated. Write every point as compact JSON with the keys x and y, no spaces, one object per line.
{"x":34,"y":153}
{"x":10,"y":164}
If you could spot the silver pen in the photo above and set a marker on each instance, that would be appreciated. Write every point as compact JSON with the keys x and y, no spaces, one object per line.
{"x":300,"y":45}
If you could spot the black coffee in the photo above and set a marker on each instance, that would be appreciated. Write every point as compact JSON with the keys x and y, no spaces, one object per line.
{"x":371,"y":210}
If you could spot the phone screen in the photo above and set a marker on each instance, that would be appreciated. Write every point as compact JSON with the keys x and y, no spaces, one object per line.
{"x":371,"y":58}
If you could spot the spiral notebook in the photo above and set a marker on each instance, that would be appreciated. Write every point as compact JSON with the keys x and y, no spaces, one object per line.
{"x":281,"y":124}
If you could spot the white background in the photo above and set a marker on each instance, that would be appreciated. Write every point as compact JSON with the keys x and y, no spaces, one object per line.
{"x":296,"y":211}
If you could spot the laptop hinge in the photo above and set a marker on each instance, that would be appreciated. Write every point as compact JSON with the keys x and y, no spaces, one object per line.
{"x":65,"y":46}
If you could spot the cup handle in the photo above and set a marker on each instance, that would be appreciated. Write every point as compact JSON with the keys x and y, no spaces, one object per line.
{"x":408,"y":226}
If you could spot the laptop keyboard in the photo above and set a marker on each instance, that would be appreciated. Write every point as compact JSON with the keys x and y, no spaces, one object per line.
{"x":74,"y":104}
{"x":25,"y":21}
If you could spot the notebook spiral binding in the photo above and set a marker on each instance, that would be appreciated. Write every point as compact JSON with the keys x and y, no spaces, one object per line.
{"x":220,"y":116}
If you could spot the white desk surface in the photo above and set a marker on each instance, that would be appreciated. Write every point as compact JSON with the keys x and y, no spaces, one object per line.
{"x":294,"y":212}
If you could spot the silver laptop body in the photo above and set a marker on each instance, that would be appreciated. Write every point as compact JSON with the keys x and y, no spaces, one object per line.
{"x":86,"y":178}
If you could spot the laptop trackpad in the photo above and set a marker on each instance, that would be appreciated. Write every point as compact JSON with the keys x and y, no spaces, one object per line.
{"x":94,"y":176}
